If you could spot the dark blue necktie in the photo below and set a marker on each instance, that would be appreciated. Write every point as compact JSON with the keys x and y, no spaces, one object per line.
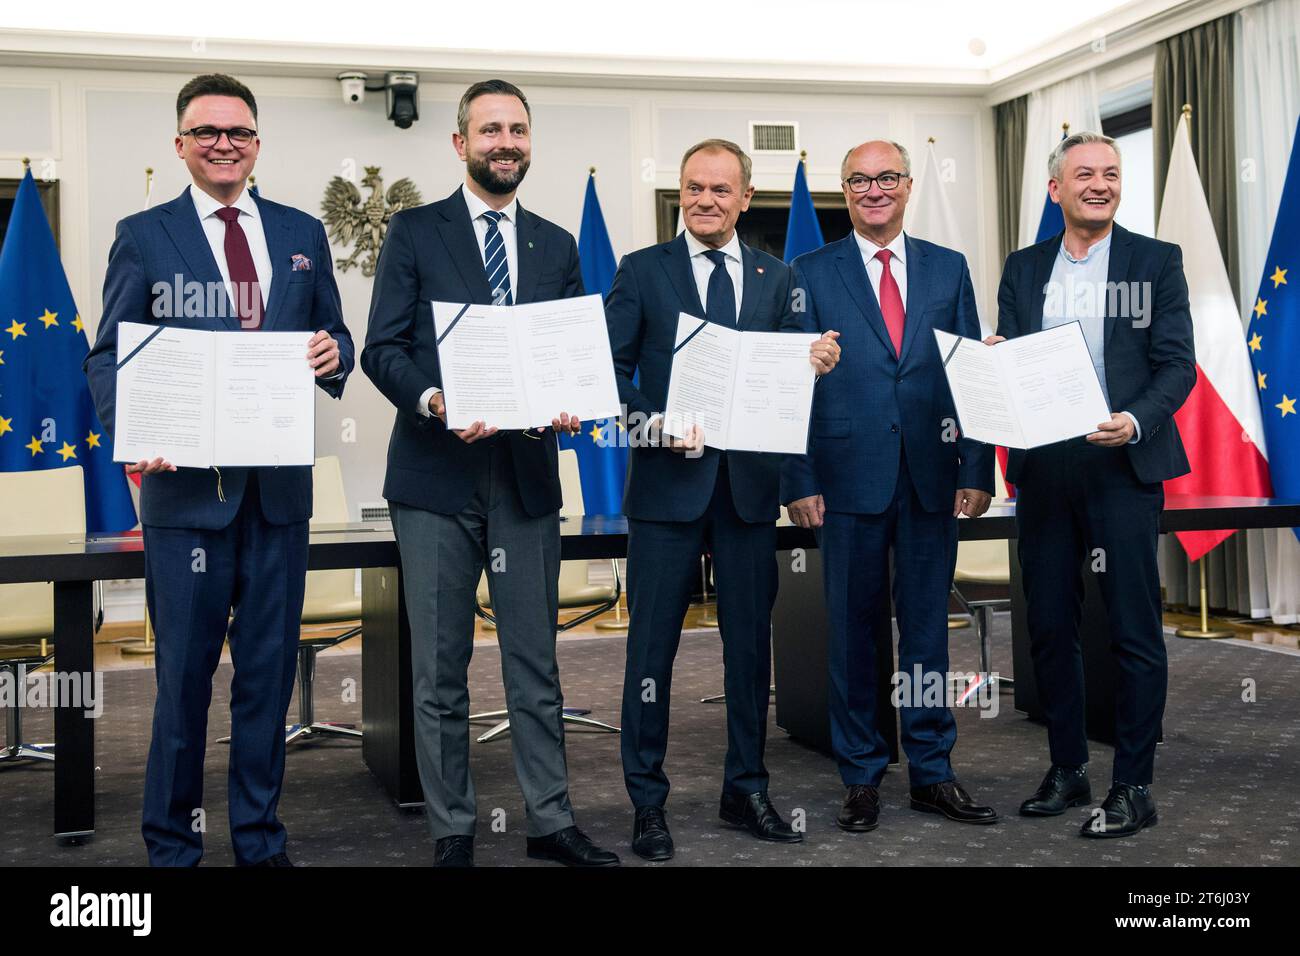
{"x":721,"y":304}
{"x":495,"y":263}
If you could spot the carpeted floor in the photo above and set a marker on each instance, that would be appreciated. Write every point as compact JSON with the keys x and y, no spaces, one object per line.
{"x":1227,"y":776}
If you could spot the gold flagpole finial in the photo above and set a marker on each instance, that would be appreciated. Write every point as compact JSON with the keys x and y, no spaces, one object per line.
{"x":591,"y":171}
{"x":27,"y":162}
{"x":803,"y":156}
{"x":252,"y":181}
{"x":1065,"y":128}
{"x":930,"y":140}
{"x":1187,"y":110}
{"x":148,"y":171}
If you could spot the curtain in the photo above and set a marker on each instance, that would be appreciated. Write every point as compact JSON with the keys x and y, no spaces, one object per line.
{"x":1072,"y":101}
{"x":1267,"y":87}
{"x":1009,"y":120}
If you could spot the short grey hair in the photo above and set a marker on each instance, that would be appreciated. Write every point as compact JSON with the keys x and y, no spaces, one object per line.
{"x":1056,"y":161}
{"x":902,"y":151}
{"x":722,"y":145}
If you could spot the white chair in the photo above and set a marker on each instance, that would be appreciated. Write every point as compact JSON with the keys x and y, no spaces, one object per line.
{"x":575,"y":592}
{"x":331,"y":600}
{"x":984,"y":569}
{"x":42,"y":503}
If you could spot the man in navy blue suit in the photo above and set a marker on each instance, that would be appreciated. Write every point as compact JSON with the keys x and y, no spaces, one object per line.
{"x":683,"y":497}
{"x":459,"y":496}
{"x":233,"y":540}
{"x":1101,"y":495}
{"x":886,"y":471}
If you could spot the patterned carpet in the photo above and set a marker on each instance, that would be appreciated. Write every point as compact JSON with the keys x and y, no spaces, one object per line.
{"x":1227,"y":776}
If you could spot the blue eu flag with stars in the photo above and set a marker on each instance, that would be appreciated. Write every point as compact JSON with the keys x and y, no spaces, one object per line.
{"x":601,"y":445}
{"x":802,"y":233}
{"x":1273,"y":336}
{"x":47,"y":418}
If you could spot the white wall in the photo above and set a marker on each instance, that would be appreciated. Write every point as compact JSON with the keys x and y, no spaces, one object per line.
{"x":97,"y":130}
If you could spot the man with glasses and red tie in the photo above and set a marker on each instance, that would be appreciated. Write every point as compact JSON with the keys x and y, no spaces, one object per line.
{"x":886,"y":471}
{"x":234,"y":540}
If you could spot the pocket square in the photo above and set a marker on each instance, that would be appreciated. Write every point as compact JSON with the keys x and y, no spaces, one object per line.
{"x":299,"y":263}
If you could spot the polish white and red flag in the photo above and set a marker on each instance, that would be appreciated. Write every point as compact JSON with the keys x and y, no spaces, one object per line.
{"x":1220,"y":422}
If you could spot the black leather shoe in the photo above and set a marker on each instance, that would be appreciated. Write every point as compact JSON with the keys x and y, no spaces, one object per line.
{"x":1126,"y":810}
{"x":571,"y":847}
{"x":650,"y":837}
{"x":861,"y":810}
{"x":950,"y":800}
{"x":279,"y":859}
{"x":1061,"y":789}
{"x":454,"y":851}
{"x":756,"y":814}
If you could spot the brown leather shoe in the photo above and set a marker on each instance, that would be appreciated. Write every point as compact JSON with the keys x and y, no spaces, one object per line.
{"x":861,"y":810}
{"x":950,"y":800}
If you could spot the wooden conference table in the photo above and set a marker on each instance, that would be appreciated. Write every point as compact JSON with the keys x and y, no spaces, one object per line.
{"x":73,"y":565}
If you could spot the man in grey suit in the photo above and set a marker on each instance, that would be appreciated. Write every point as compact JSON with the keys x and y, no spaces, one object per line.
{"x":463,"y":499}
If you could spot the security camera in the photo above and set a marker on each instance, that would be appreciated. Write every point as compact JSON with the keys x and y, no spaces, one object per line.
{"x":400,"y":92}
{"x":353,"y":86}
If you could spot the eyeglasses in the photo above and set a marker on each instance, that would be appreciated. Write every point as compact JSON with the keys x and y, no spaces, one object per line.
{"x":240,"y":137}
{"x":886,"y":181}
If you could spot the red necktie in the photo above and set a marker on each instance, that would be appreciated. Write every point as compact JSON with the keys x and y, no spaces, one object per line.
{"x":891,"y":302}
{"x":243,"y":274}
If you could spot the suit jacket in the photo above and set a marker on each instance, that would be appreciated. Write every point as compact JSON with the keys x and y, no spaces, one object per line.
{"x":651,"y":288}
{"x":1150,"y":365}
{"x":876,"y":406}
{"x":165,"y":245}
{"x":432,"y":254}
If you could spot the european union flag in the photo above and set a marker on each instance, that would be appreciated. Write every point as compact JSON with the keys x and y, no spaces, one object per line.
{"x":1273,"y":335}
{"x":803,"y":233}
{"x":1052,"y":221}
{"x":47,"y":419}
{"x":602,"y":453}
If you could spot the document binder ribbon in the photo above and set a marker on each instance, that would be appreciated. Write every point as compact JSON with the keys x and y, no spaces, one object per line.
{"x":447,"y":331}
{"x":147,"y":339}
{"x":681,"y":345}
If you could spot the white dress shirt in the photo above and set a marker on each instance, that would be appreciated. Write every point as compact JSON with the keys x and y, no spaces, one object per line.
{"x":505,"y":226}
{"x":215,"y":231}
{"x":876,"y":268}
{"x":702,"y":267}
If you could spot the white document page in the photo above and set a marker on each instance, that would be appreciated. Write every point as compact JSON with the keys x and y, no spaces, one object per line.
{"x":164,"y":395}
{"x":520,"y":366}
{"x":703,"y":379}
{"x":747,"y":391}
{"x":1025,"y":392}
{"x":265,"y":400}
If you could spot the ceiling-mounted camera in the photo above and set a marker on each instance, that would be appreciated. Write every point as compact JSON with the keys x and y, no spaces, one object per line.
{"x":401,"y":94}
{"x":353,"y":85}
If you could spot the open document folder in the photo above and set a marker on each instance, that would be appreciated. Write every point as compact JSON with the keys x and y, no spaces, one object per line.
{"x":200,"y":398}
{"x":520,"y":366}
{"x":747,"y":391}
{"x":1025,"y":392}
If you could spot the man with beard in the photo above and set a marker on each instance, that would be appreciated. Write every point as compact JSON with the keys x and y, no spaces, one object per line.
{"x":456,"y":496}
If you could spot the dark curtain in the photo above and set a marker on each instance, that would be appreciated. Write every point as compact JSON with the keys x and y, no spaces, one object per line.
{"x":1009,"y":120}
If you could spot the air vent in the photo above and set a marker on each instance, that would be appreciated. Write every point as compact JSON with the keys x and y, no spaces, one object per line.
{"x":374,"y":511}
{"x":773,"y":137}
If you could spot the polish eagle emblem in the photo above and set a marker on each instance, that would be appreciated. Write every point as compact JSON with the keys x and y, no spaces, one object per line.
{"x":352,"y":220}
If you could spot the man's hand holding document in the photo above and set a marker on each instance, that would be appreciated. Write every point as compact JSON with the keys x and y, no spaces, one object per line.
{"x":517,"y":366}
{"x":1024,"y":392}
{"x":740,"y":391}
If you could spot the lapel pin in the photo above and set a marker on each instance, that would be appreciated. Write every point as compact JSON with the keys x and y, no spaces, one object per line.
{"x":760,"y":269}
{"x":530,"y":245}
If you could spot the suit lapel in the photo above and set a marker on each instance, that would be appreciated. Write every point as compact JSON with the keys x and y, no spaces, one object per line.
{"x":854,"y":273}
{"x":181,"y":223}
{"x":530,"y":246}
{"x":1042,"y":274}
{"x":279,"y":242}
{"x":751,"y":285}
{"x":1121,"y":251}
{"x":918,"y":287}
{"x":458,"y":236}
{"x":677,"y":263}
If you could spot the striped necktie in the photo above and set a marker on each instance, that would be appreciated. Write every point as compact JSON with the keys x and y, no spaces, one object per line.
{"x":495,"y":263}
